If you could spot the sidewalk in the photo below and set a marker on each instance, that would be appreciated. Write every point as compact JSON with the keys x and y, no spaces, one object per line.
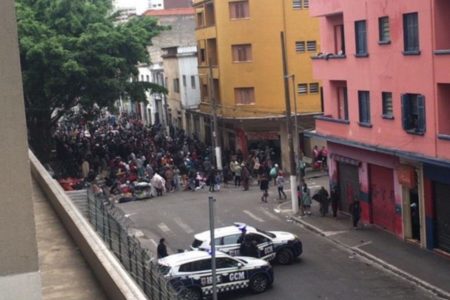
{"x":425,"y":268}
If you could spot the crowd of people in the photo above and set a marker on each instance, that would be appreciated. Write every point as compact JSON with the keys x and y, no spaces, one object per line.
{"x":122,"y":151}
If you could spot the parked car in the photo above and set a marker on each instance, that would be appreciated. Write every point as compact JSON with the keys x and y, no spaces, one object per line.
{"x":282,"y":246}
{"x":190,"y":274}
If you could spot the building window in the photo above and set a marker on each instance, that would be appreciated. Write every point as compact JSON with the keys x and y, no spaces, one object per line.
{"x":302,"y":88}
{"x":204,"y":92}
{"x":298,"y":4}
{"x":300,"y":46}
{"x":148,"y":78}
{"x":311,"y":46}
{"x":411,"y":33}
{"x":364,"y":107}
{"x":184,"y":80}
{"x":242,"y":53}
{"x":388,"y":111}
{"x":244,"y":95}
{"x":239,"y":10}
{"x":202,"y":55}
{"x":339,"y":40}
{"x":384,"y":30}
{"x":314,"y":88}
{"x":361,"y":38}
{"x":413,"y":113}
{"x":342,"y":103}
{"x":176,"y":85}
{"x":193,"y":84}
{"x":200,"y":19}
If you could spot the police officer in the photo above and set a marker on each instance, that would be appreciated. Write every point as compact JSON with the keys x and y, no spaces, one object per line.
{"x":162,"y":249}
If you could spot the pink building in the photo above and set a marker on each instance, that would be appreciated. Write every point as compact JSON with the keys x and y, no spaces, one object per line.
{"x":385,"y":69}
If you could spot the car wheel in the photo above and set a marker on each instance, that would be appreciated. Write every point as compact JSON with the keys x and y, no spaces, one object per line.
{"x":190,"y":294}
{"x":259,"y":283}
{"x":285,"y":256}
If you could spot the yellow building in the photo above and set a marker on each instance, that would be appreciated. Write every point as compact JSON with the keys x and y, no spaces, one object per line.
{"x":239,"y":49}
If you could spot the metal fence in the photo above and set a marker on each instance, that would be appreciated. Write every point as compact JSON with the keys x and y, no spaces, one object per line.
{"x":115,"y":229}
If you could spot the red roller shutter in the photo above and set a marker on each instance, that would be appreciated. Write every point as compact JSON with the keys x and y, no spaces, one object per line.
{"x":382,"y":197}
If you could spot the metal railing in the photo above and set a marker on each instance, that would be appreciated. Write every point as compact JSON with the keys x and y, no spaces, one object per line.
{"x":115,"y":229}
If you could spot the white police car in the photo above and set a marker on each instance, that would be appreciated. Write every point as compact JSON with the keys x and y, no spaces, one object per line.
{"x":279,"y":245}
{"x":190,"y":273}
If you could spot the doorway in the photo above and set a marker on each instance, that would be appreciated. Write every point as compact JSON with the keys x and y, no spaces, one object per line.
{"x":414,"y":214}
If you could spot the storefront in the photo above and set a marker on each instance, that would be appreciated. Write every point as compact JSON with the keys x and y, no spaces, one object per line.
{"x":438,"y":207}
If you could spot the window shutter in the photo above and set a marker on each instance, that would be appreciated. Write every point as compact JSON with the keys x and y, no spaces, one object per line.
{"x":405,"y":111}
{"x":421,"y":120}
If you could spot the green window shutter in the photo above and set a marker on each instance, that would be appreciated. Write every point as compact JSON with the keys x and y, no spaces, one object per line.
{"x":406,"y":111}
{"x":421,"y":120}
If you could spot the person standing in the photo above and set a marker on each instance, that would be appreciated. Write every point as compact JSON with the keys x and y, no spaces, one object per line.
{"x":355,"y":210}
{"x":334,"y":196}
{"x":264,"y":185}
{"x":162,"y":249}
{"x":211,"y":179}
{"x":245,"y":176}
{"x":280,"y":185}
{"x":237,"y":174}
{"x":306,"y":199}
{"x":274,"y":173}
{"x":322,"y":195}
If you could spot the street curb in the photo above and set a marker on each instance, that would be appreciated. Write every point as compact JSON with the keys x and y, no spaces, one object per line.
{"x":393,"y":269}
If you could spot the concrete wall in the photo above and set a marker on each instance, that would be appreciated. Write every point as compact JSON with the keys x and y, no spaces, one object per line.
{"x":19,"y":277}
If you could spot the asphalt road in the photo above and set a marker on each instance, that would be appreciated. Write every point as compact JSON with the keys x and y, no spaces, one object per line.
{"x":324,"y":270}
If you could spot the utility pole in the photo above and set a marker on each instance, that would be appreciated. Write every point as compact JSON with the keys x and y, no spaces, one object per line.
{"x":297,"y":144}
{"x":211,"y":202}
{"x":212,"y":97}
{"x":293,"y":171}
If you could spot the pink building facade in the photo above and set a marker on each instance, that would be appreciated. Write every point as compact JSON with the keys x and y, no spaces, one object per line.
{"x":385,"y":69}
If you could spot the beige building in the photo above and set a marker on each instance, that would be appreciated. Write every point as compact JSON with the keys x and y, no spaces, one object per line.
{"x":19,"y":268}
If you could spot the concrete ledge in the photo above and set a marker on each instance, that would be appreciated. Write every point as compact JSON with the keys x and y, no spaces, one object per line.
{"x":116,"y":282}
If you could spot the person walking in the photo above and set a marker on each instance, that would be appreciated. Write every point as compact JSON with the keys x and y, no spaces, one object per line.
{"x":306,"y":199}
{"x":280,"y":185}
{"x":162,"y":249}
{"x":355,"y":210}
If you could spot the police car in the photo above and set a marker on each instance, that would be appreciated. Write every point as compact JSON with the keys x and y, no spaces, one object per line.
{"x":191,"y":275}
{"x":279,"y":245}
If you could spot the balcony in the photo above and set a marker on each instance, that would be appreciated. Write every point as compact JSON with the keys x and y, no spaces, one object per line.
{"x":319,"y":8}
{"x":329,"y":67}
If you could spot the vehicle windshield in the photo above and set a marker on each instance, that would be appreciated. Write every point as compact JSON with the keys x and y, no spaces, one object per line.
{"x":163,"y":269}
{"x":266,"y":233}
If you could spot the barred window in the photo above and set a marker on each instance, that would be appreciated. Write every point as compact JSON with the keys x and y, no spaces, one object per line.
{"x":300,"y":46}
{"x":296,"y":4}
{"x":311,"y":46}
{"x":302,"y":88}
{"x":314,"y":88}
